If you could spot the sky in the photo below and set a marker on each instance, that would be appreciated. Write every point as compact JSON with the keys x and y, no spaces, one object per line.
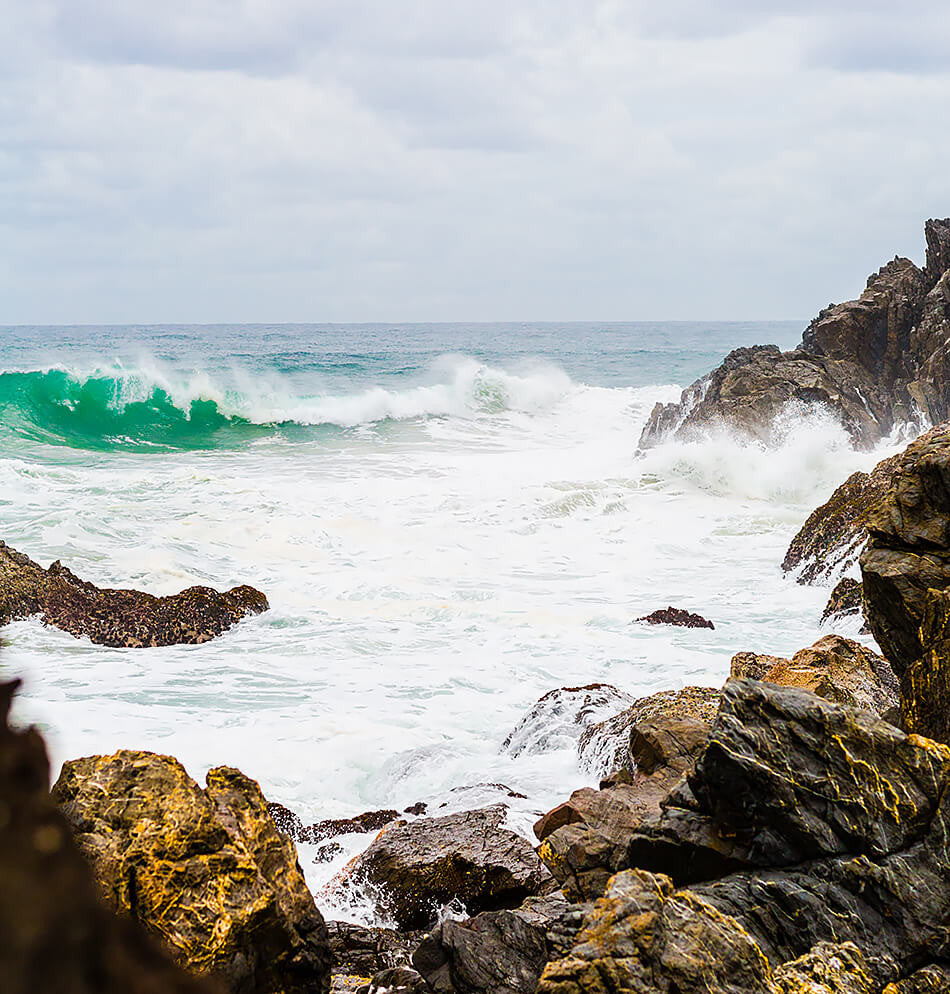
{"x":425,"y":160}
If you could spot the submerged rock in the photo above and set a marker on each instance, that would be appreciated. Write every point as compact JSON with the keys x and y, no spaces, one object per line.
{"x":676,"y":616}
{"x":206,"y":871}
{"x":876,"y":362}
{"x":119,"y":618}
{"x":604,"y":748}
{"x":417,"y":868}
{"x":560,"y":716}
{"x":291,"y":825}
{"x":55,"y":933}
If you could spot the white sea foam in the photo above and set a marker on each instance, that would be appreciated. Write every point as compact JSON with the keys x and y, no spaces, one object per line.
{"x":426,"y":588}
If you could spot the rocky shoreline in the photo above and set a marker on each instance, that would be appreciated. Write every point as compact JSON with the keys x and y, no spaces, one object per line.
{"x":787,"y":833}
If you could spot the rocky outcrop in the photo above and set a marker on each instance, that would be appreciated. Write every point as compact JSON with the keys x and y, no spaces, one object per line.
{"x":933,"y":979}
{"x":604,"y":748}
{"x":846,"y":601}
{"x":908,"y":550}
{"x":560,"y":717}
{"x":291,"y":825}
{"x":55,"y":933}
{"x":876,"y":362}
{"x":925,"y":684}
{"x":677,"y":617}
{"x":204,"y":871}
{"x":360,"y":952}
{"x":496,"y":952}
{"x":126,"y":618}
{"x":830,"y":541}
{"x":415,"y":869}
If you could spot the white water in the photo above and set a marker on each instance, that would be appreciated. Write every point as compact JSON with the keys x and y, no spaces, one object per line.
{"x":428,"y":581}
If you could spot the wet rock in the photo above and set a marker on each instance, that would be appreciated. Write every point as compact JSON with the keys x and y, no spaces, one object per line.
{"x":932,"y":979}
{"x":327,"y":852}
{"x":925,"y":685}
{"x":753,"y":665}
{"x":846,"y":601}
{"x":396,"y":980}
{"x":678,"y":617}
{"x":292,"y":825}
{"x":561,"y":715}
{"x":204,"y":870}
{"x":604,"y":748}
{"x":830,"y":541}
{"x":55,"y":933}
{"x":876,"y":362}
{"x":417,"y":868}
{"x":119,"y":618}
{"x":830,"y":968}
{"x":908,"y":550}
{"x":362,"y":951}
{"x":419,"y":808}
{"x":496,"y":952}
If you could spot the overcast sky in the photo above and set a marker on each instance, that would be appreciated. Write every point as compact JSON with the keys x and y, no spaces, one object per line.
{"x":438,"y":160}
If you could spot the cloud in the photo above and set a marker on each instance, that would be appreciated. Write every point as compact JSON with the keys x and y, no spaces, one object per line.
{"x":432,"y":161}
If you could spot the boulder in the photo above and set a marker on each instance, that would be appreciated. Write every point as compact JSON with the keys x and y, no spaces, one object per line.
{"x":876,"y":362}
{"x":908,"y":550}
{"x":416,"y":868}
{"x":360,"y":951}
{"x":55,"y":933}
{"x":560,"y":716}
{"x":604,"y":747}
{"x":496,"y":952}
{"x":119,"y":618}
{"x":753,"y":665}
{"x":206,"y":871}
{"x":830,"y":541}
{"x":676,"y":616}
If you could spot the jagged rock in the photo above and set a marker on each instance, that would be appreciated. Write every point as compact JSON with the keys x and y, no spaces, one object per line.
{"x":831,"y":539}
{"x":417,"y":868}
{"x":932,"y":979}
{"x":204,"y":870}
{"x":496,"y":952}
{"x":876,"y":362}
{"x":585,"y":840}
{"x":753,"y":665}
{"x":845,"y":601}
{"x":908,"y":551}
{"x":676,"y":616}
{"x":786,"y":777}
{"x":126,"y":618}
{"x":361,"y":951}
{"x":830,"y":968}
{"x":604,"y":748}
{"x":55,"y":934}
{"x":560,"y":716}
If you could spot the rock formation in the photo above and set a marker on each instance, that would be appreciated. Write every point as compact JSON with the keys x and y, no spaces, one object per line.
{"x":877,"y":362}
{"x":846,"y":601}
{"x":204,"y":871}
{"x":127,"y":618}
{"x":55,"y":933}
{"x":417,"y":868}
{"x":676,"y":616}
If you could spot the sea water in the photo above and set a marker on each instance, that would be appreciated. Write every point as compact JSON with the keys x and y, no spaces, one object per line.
{"x":448,"y":521}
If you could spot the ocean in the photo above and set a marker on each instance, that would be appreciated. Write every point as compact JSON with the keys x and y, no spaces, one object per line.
{"x":448,"y":520}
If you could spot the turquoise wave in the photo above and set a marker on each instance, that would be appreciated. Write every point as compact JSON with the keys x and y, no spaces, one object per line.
{"x":107,"y":412}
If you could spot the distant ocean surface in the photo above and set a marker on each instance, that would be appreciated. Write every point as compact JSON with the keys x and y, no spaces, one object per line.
{"x":448,"y":521}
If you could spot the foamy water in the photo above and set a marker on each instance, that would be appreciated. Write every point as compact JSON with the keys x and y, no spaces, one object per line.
{"x":439,"y":547}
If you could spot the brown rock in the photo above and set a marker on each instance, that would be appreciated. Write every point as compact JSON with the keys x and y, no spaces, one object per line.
{"x":55,"y":933}
{"x":126,"y":618}
{"x":753,"y":665}
{"x":206,"y":871}
{"x":846,"y":601}
{"x":925,"y":685}
{"x":676,"y":616}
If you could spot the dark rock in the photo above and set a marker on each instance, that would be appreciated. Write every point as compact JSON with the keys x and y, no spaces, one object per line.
{"x":361,"y":951}
{"x":419,"y":808}
{"x":396,"y":980}
{"x":204,"y":870}
{"x":845,"y":601}
{"x":561,"y":715}
{"x":285,"y":821}
{"x":604,"y":748}
{"x":877,"y":362}
{"x":908,"y":551}
{"x":292,"y":825}
{"x":55,"y":934}
{"x":788,"y":777}
{"x":830,"y":541}
{"x":925,"y":685}
{"x":934,"y":979}
{"x":676,"y":616}
{"x":418,"y":867}
{"x":327,"y":852}
{"x":497,"y":952}
{"x":126,"y":618}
